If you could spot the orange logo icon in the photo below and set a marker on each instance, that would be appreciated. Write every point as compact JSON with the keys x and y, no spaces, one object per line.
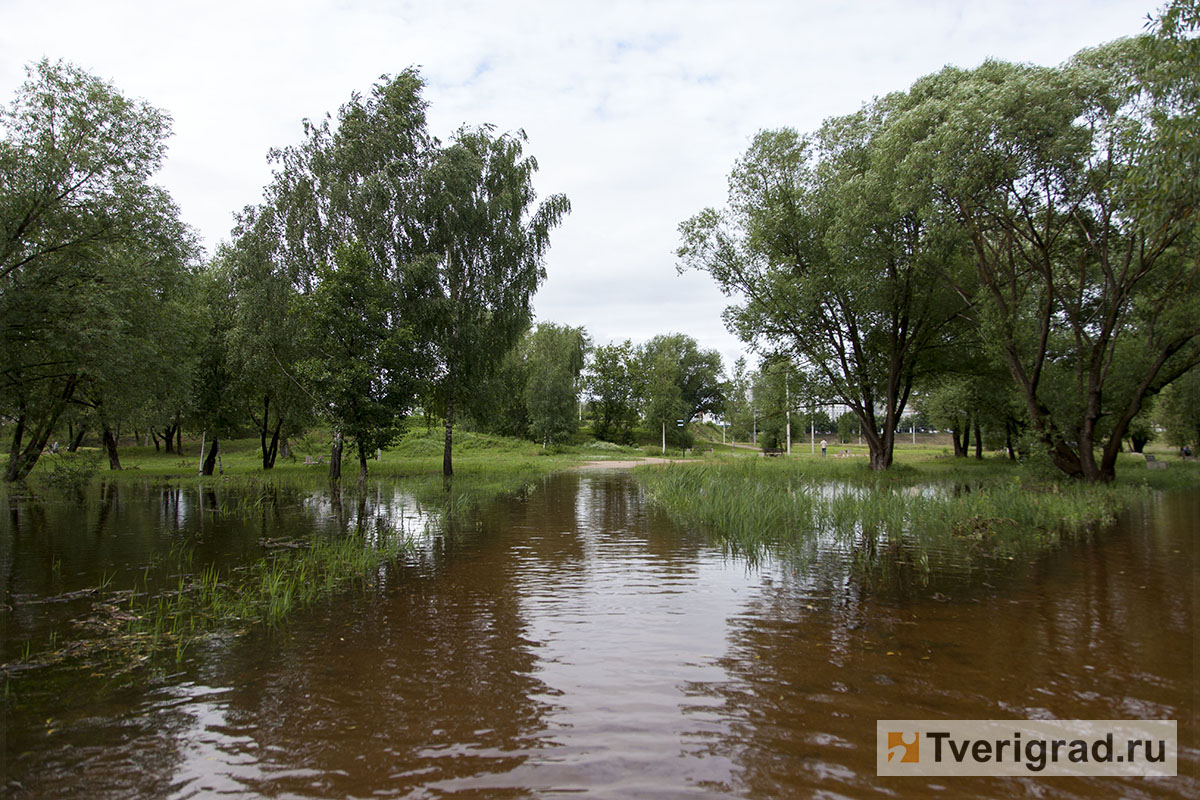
{"x":905,"y":745}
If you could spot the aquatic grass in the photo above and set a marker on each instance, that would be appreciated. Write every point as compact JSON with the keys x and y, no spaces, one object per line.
{"x":126,"y":627}
{"x":751,"y":506}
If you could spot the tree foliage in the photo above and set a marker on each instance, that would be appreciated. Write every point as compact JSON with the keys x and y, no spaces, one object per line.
{"x":360,"y":369}
{"x":555,"y":355}
{"x":615,"y":391}
{"x":680,"y":381}
{"x":1084,"y":286}
{"x":489,"y":243}
{"x":838,"y":263}
{"x":94,"y":262}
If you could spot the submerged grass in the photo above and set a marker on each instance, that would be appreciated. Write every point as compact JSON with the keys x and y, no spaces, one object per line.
{"x":924,"y":512}
{"x":175,"y":602}
{"x":126,"y":627}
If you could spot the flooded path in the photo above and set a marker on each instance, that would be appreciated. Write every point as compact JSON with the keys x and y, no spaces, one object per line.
{"x":575,"y":641}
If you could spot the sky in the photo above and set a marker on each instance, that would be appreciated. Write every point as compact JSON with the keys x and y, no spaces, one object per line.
{"x":636,"y":111}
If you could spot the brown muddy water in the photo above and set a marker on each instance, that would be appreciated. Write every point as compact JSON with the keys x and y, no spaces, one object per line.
{"x":572,"y":640}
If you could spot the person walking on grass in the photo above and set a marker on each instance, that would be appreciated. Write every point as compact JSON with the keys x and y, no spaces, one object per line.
{"x":824,"y":444}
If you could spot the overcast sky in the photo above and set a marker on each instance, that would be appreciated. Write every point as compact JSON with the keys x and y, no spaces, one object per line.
{"x":636,"y":110}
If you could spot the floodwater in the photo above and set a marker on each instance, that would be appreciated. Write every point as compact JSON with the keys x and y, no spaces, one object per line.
{"x":572,"y":640}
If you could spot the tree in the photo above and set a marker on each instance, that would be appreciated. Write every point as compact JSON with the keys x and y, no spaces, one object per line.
{"x":498,"y":404}
{"x":680,"y":382}
{"x":1178,"y":410}
{"x":211,"y":409}
{"x":1079,"y":202}
{"x":491,"y":244}
{"x":837,"y":257}
{"x":362,"y":181}
{"x":847,"y":426}
{"x":361,"y":370}
{"x":74,"y":165}
{"x":556,"y":356}
{"x":739,"y":402}
{"x":92,"y":256}
{"x":615,"y":392}
{"x":264,"y":339}
{"x":779,"y":389}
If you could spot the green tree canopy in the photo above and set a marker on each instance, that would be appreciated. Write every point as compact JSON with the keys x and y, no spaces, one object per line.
{"x":615,"y":391}
{"x":837,"y":258}
{"x":361,"y":369}
{"x":94,"y":261}
{"x":680,"y":381}
{"x":556,"y":355}
{"x":490,"y":243}
{"x":1082,"y":280}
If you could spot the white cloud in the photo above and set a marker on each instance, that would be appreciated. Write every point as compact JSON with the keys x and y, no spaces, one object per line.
{"x":636,"y":110}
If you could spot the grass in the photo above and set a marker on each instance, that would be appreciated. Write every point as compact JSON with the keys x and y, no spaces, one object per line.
{"x":159,"y":613}
{"x":925,"y":509}
{"x":128,"y":626}
{"x":929,"y":508}
{"x":418,"y":453}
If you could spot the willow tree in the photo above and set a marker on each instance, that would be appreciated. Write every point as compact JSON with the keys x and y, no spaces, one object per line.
{"x":490,"y":241}
{"x":838,"y":261}
{"x":93,"y":257}
{"x":1078,"y":193}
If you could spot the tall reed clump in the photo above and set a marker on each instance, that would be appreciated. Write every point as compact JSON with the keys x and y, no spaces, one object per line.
{"x":749,"y":505}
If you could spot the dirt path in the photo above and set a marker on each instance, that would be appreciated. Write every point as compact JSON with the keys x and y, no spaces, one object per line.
{"x":631,"y":463}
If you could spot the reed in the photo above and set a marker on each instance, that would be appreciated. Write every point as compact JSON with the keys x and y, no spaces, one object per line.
{"x":752,"y":506}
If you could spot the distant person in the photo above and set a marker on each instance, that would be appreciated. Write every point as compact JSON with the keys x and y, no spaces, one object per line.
{"x":824,"y":444}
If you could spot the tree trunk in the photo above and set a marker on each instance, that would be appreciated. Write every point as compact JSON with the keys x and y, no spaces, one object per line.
{"x":270,"y":454}
{"x":1008,"y":442}
{"x":956,"y":434}
{"x":77,"y":441}
{"x":362,"y":466}
{"x":879,"y":447}
{"x":110,"y":447}
{"x":447,"y":463}
{"x":154,"y":436}
{"x":178,"y":436}
{"x":270,"y":451}
{"x":335,"y":458}
{"x":883,"y":460}
{"x":22,"y":461}
{"x":210,"y":460}
{"x":978,"y":439}
{"x":14,"y":453}
{"x":961,"y":434}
